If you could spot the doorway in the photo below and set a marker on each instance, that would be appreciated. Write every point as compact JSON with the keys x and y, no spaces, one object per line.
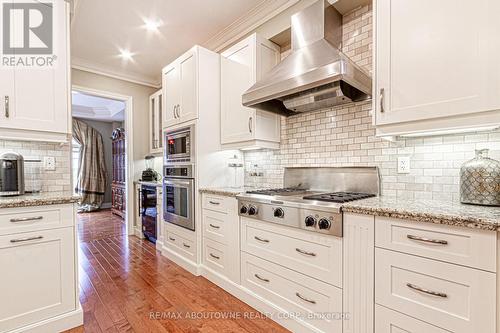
{"x":110,"y":115}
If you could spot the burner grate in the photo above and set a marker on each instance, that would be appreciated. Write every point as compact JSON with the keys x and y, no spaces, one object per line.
{"x":339,"y":197}
{"x":278,"y":191}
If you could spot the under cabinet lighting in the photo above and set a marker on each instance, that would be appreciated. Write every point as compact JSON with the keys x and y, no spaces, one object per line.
{"x":451,"y":131}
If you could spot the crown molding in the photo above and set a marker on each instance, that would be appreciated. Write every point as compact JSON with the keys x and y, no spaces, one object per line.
{"x":245,"y":24}
{"x":96,"y":68}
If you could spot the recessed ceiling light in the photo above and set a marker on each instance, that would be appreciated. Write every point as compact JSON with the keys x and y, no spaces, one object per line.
{"x":152,"y":25}
{"x":126,"y":54}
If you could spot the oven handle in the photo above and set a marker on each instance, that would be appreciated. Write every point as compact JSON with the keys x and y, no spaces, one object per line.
{"x":178,"y":182}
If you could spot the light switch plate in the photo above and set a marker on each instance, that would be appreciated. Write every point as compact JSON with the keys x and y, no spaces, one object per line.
{"x":49,"y":163}
{"x":403,"y":164}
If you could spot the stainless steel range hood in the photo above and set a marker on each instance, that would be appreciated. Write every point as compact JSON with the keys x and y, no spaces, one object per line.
{"x":316,"y":74}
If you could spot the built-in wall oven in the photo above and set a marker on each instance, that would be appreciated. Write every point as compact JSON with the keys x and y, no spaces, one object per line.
{"x":178,"y":195}
{"x":178,"y":147}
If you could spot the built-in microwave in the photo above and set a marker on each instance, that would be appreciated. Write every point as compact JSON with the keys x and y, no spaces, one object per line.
{"x":178,"y":146}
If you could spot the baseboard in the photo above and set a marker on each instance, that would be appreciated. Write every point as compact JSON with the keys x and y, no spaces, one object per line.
{"x":260,"y":304}
{"x":60,"y":323}
{"x":159,"y":245}
{"x":138,"y":233}
{"x":188,"y":265}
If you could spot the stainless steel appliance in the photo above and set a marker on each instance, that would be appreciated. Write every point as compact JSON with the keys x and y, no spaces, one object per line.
{"x":316,"y":74}
{"x":178,"y":147}
{"x":148,"y":211}
{"x":11,"y":174}
{"x":312,"y":197}
{"x":178,"y":195}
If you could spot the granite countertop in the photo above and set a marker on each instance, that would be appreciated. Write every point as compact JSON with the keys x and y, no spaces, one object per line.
{"x":224,"y":191}
{"x":433,"y":211}
{"x":39,"y":199}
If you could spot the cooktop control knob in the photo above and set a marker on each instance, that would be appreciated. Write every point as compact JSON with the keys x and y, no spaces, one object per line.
{"x":324,"y":224}
{"x":252,"y":210}
{"x":310,"y":221}
{"x":278,"y":212}
{"x":243,"y":209}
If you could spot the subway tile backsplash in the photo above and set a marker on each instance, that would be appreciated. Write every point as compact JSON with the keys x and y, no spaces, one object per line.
{"x":52,"y":181}
{"x":344,"y":136}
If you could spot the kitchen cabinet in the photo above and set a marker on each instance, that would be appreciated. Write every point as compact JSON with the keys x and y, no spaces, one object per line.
{"x":155,"y":123}
{"x":35,"y":101}
{"x":183,"y":85}
{"x":436,"y":69}
{"x":241,"y":66}
{"x":38,"y":249}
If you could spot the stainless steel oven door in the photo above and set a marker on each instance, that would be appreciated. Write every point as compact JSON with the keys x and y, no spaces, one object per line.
{"x":178,"y":202}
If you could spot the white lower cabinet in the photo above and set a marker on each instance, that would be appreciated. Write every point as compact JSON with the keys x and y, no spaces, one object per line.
{"x":314,"y":302}
{"x":38,"y":279}
{"x":389,"y":321}
{"x":456,"y":298}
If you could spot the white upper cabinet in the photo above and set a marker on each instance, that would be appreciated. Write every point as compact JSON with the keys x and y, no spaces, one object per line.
{"x":182,"y":80}
{"x":437,"y":65}
{"x":35,"y":100}
{"x":155,"y":123}
{"x":241,"y":66}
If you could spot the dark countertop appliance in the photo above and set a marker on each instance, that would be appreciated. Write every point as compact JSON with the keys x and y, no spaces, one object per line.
{"x":11,"y":174}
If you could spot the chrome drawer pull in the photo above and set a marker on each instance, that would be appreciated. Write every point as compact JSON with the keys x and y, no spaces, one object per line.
{"x":312,"y":254}
{"x":261,"y":239}
{"x":214,"y":256}
{"x":172,"y":239}
{"x":305,"y":299}
{"x":185,"y":245}
{"x":25,"y":219}
{"x":214,"y":226}
{"x":427,"y":240}
{"x":19,"y":240}
{"x":261,"y":278}
{"x":7,"y":106}
{"x":214,"y":202}
{"x":426,"y":291}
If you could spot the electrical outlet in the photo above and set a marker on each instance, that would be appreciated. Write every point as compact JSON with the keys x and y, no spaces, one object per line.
{"x":49,"y":163}
{"x":404,"y":164}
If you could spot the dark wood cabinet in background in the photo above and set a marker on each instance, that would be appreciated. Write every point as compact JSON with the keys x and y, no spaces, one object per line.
{"x":118,"y":189}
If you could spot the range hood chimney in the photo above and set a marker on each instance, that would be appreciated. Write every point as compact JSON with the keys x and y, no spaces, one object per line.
{"x":316,"y":74}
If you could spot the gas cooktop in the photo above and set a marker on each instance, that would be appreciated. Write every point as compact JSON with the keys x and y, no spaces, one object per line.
{"x":339,"y":197}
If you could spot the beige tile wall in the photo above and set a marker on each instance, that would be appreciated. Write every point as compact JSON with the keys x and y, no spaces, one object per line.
{"x":344,"y":136}
{"x":53,"y":181}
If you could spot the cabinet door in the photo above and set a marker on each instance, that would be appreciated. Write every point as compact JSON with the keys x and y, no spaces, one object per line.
{"x":436,"y":59}
{"x":159,"y":124}
{"x":38,"y":276}
{"x":237,"y":121}
{"x":188,"y":87}
{"x":152,"y":126}
{"x":40,"y":97}
{"x":171,"y":91}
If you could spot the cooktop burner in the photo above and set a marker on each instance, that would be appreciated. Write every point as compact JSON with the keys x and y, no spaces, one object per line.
{"x":278,"y":191}
{"x":339,"y":196}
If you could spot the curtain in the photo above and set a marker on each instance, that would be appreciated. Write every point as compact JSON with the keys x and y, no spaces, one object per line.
{"x":91,"y":180}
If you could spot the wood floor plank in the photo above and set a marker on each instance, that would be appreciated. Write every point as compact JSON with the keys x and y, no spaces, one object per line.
{"x":127,"y":286}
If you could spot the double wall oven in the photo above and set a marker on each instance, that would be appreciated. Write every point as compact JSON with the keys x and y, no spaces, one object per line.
{"x":179,"y":180}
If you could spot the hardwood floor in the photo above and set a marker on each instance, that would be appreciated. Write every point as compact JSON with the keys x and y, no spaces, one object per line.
{"x":127,"y":286}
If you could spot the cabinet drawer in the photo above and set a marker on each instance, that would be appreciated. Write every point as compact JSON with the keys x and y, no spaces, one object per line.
{"x":294,"y":292}
{"x":181,"y":245}
{"x":468,"y":247}
{"x":215,"y":226}
{"x":216,"y":203}
{"x":453,"y":297}
{"x":38,"y":276}
{"x":318,"y":256}
{"x":26,"y":219}
{"x":215,"y":256}
{"x":388,"y":321}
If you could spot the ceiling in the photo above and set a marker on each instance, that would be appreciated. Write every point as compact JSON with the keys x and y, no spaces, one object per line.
{"x":97,"y":108}
{"x":100,"y":29}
